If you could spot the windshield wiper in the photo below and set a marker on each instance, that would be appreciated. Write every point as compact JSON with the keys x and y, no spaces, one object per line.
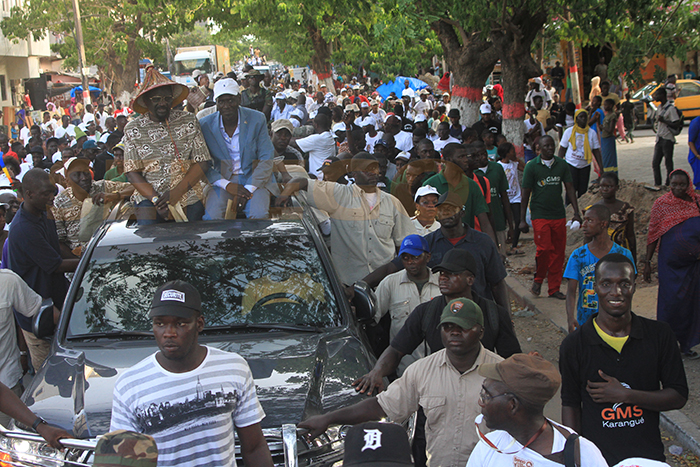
{"x":263,"y":327}
{"x":110,"y":335}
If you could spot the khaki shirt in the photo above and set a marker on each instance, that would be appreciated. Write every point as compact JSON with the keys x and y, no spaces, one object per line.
{"x":449,"y":399}
{"x":398,"y":295}
{"x":164,"y":152}
{"x":362,"y":239}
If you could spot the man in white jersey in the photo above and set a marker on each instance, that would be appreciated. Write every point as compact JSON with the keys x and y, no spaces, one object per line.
{"x":168,"y":395}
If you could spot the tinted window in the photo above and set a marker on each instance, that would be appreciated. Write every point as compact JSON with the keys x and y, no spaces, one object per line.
{"x":241,"y":280}
{"x":688,"y":89}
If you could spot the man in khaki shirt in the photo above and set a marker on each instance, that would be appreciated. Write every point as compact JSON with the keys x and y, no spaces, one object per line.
{"x":446,"y":385}
{"x":400,"y":293}
{"x":367,"y":223}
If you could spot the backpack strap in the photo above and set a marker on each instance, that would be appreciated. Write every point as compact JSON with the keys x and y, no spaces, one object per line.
{"x":571,"y":455}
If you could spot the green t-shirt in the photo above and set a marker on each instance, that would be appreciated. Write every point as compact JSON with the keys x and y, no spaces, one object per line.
{"x":499,"y":183}
{"x":113,"y":175}
{"x":546,"y":201}
{"x":467,"y":190}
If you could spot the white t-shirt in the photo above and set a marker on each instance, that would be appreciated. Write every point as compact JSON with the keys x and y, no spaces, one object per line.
{"x":88,"y":117}
{"x":14,"y":293}
{"x":69,"y":131}
{"x":529,"y":126}
{"x":439,"y":144}
{"x":577,"y":158}
{"x":370,"y":140}
{"x":191,"y":415}
{"x":319,"y":147}
{"x":24,"y":135}
{"x":50,"y":126}
{"x":485,"y":456}
{"x":511,"y":170}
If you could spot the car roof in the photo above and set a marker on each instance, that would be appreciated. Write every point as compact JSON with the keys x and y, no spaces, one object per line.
{"x":129,"y":233}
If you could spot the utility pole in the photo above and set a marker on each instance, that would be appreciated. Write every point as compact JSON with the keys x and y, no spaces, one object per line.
{"x":573,"y":69}
{"x":81,"y":52}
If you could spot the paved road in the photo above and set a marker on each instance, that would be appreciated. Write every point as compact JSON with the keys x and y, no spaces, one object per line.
{"x":634,"y":160}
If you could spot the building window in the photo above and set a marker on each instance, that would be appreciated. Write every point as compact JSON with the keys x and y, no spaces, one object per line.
{"x":3,"y":88}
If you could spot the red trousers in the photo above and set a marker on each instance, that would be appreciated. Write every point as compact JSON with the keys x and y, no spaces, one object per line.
{"x":550,"y":239}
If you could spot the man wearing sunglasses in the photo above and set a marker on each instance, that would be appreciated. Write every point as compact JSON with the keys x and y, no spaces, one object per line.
{"x":165,"y":155}
{"x":512,"y":401}
{"x":445,"y":385}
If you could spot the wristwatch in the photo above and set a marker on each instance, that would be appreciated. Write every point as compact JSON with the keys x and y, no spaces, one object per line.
{"x":38,"y":422}
{"x":154,"y":200}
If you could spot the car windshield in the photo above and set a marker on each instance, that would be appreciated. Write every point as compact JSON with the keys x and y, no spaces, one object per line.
{"x":645,"y":91}
{"x":186,"y":67}
{"x":242,"y":280}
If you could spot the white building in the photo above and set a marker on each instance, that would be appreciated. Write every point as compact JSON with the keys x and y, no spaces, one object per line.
{"x":23,"y":60}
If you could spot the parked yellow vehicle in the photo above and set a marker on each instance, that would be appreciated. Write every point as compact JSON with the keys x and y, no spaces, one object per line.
{"x":687,"y":100}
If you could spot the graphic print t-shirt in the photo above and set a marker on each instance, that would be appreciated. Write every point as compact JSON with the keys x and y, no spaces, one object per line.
{"x":581,"y":267}
{"x":190,"y":415}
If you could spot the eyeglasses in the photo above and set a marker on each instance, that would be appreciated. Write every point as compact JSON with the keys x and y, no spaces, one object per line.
{"x":427,"y":204}
{"x":485,"y":397}
{"x":161,"y":99}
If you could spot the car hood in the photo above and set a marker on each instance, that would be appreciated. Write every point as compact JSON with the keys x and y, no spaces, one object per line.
{"x":296,"y":375}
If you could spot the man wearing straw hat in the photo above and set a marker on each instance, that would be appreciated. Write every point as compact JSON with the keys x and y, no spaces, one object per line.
{"x":165,"y":155}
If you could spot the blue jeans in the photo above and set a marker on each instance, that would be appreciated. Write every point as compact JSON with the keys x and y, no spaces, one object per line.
{"x":146,"y":213}
{"x":217,"y":200}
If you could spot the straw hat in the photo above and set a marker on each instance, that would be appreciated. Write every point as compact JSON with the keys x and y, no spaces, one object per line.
{"x":154,"y":79}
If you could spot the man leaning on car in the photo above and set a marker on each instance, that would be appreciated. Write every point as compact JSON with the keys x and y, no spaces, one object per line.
{"x":169,"y":394}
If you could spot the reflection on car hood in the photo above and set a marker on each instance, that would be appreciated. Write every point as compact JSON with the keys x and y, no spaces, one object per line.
{"x":296,"y":376}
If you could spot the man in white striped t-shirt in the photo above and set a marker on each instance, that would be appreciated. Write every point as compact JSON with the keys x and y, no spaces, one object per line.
{"x":188,"y":396}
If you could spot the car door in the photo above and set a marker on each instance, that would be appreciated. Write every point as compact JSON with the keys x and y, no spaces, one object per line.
{"x":688,"y":100}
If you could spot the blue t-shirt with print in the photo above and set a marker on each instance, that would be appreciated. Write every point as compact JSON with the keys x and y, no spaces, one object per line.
{"x":581,"y":267}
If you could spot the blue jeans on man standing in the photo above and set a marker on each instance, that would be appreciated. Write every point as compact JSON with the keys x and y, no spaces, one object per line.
{"x":217,"y":200}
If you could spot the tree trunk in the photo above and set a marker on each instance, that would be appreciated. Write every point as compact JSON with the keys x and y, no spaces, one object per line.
{"x":471,"y":61}
{"x":321,"y":58}
{"x":517,"y":66}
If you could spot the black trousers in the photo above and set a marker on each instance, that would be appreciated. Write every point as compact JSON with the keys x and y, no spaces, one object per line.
{"x":580,"y":180}
{"x":662,"y":150}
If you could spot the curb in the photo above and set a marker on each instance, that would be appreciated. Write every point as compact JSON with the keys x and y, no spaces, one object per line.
{"x":686,"y":432}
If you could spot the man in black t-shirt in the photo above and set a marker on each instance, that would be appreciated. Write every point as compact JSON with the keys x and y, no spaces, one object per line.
{"x":620,"y":370}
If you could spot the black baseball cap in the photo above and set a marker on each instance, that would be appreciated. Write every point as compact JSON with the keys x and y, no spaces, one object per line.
{"x":457,"y":260}
{"x":377,"y":444}
{"x":176,"y":298}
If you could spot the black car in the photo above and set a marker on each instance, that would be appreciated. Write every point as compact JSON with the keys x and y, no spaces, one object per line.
{"x":270,"y":293}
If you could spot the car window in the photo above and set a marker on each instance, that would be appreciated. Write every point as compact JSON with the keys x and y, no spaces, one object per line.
{"x":645,"y":91}
{"x":688,"y":89}
{"x":241,"y":280}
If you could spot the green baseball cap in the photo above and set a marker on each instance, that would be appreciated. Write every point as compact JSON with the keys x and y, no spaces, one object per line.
{"x":462,"y":312}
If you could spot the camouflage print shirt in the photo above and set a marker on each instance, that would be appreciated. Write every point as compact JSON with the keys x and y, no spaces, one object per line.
{"x":164,"y":152}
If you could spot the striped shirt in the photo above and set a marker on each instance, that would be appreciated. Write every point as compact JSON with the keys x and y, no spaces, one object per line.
{"x":191,"y":415}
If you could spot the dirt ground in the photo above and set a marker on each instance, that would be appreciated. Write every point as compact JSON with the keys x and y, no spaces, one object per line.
{"x":636,"y":194}
{"x":537,"y":333}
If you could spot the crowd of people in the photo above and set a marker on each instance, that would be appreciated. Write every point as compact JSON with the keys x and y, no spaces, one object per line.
{"x":415,"y":204}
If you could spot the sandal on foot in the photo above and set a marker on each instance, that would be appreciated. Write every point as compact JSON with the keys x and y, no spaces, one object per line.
{"x":558,"y":295}
{"x":691,"y":355}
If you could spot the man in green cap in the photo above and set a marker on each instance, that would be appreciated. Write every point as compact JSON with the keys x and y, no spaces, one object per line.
{"x":446,"y":385}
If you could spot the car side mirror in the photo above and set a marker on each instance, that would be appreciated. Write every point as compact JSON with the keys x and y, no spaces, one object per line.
{"x":364,"y":302}
{"x":43,"y":325}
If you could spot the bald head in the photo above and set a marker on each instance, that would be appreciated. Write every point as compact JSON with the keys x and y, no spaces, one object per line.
{"x":35,"y":180}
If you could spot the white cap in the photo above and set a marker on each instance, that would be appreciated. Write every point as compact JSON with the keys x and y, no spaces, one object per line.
{"x":280,"y":96}
{"x":294,"y":95}
{"x":419,"y":118}
{"x":364,"y":105}
{"x":322,"y":85}
{"x":485,"y":108}
{"x":196,"y":74}
{"x":302,"y":90}
{"x":367,"y":121}
{"x":404,"y":155}
{"x":640,"y":462}
{"x":226,"y":86}
{"x":538,"y":80}
{"x":426,"y":190}
{"x":357,"y":86}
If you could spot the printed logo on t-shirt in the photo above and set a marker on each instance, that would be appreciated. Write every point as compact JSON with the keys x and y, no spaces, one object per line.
{"x":552,"y":180}
{"x":156,"y":418}
{"x":622,"y":415}
{"x":518,"y":462}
